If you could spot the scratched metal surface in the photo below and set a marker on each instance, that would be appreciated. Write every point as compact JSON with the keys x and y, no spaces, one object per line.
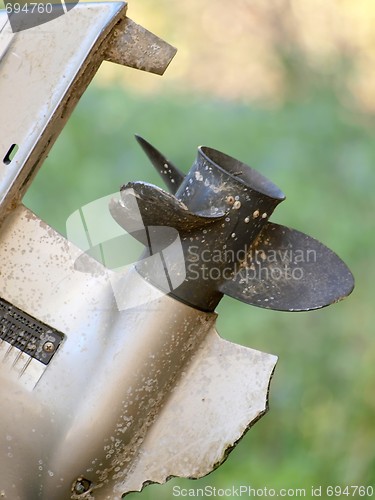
{"x":130,"y":396}
{"x":45,"y":70}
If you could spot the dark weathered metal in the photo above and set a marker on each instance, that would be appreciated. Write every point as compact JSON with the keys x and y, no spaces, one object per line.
{"x":221,"y":211}
{"x":171,"y":175}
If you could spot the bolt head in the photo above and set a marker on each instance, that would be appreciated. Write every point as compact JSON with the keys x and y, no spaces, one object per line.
{"x":81,"y":486}
{"x":49,"y":347}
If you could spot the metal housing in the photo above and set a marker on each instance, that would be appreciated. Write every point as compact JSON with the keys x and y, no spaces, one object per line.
{"x":129,"y":397}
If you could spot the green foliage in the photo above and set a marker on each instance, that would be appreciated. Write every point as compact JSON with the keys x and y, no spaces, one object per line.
{"x":320,"y":430}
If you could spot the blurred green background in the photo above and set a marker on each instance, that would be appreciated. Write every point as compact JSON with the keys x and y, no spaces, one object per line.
{"x":287,"y":87}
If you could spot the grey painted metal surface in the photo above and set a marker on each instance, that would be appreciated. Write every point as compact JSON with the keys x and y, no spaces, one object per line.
{"x":46,"y":69}
{"x":131,"y":396}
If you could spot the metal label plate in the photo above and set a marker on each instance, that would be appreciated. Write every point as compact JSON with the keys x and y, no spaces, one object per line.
{"x":27,"y":334}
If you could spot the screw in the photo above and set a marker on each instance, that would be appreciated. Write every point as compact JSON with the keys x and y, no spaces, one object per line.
{"x":81,"y":486}
{"x":49,"y":347}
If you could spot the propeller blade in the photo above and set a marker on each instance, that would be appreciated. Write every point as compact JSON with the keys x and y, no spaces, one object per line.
{"x":170,"y":174}
{"x":144,"y":205}
{"x":287,"y":270}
